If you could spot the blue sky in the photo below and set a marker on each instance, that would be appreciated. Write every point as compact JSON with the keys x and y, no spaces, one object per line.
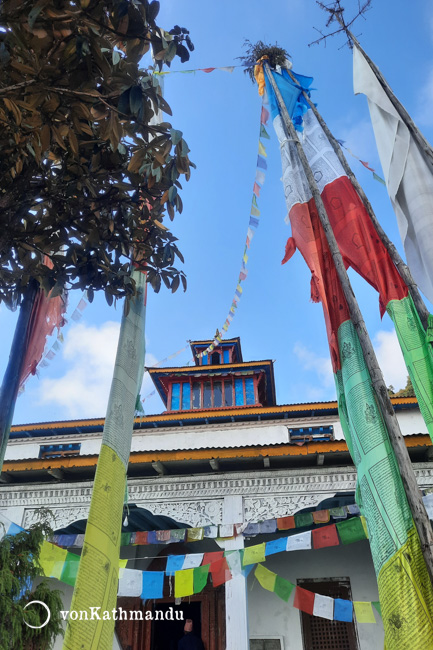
{"x":219,"y":116}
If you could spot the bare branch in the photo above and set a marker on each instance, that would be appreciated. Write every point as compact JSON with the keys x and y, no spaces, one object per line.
{"x":335,"y":13}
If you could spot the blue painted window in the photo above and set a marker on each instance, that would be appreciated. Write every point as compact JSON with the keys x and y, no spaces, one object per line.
{"x":186,"y":396}
{"x":239,"y":392}
{"x":249,"y":390}
{"x":226,"y":356}
{"x":207,"y":395}
{"x":175,"y":397}
{"x":228,"y":393}
{"x":217,"y":394}
{"x":196,"y":395}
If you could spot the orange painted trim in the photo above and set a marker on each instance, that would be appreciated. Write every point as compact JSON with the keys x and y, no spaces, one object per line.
{"x":140,"y":457}
{"x":181,"y":415}
{"x":199,"y":369}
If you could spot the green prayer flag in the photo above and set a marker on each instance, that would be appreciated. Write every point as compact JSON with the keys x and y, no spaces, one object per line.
{"x":377,"y":607}
{"x":283,"y":588}
{"x":264,"y":133}
{"x":200,"y":578}
{"x":265,"y":577}
{"x":378,"y":178}
{"x":255,"y":201}
{"x":125,"y":539}
{"x":70,"y":569}
{"x":351,"y":530}
{"x":303,"y":519}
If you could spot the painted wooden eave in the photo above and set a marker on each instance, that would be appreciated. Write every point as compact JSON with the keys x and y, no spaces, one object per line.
{"x":137,"y":458}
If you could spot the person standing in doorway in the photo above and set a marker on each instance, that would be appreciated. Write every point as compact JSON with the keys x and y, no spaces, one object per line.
{"x":190,"y":640}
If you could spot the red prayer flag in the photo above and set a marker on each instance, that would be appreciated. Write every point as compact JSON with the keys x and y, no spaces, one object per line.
{"x":264,"y":116}
{"x":321,"y":516}
{"x":256,"y":189}
{"x":285,"y":523}
{"x":366,"y":165}
{"x":304,"y":600}
{"x":141,"y":537}
{"x":210,"y":558}
{"x":326,"y":536}
{"x":208,"y":69}
{"x":220,"y":572}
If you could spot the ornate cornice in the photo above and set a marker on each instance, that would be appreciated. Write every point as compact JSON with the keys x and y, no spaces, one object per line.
{"x":198,"y":500}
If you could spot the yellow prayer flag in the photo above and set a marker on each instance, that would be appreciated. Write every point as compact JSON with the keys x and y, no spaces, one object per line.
{"x":245,"y":258}
{"x":265,"y":577}
{"x":183,"y":583}
{"x":254,"y":554}
{"x":52,"y":558}
{"x":262,"y":150}
{"x":364,"y":612}
{"x":194,"y":534}
{"x":122,"y":566}
{"x":364,"y":525}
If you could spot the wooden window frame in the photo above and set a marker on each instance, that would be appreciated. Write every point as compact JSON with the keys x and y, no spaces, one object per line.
{"x":201,"y":380}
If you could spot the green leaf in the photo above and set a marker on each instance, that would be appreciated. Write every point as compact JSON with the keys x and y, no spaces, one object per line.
{"x":175,"y":284}
{"x":135,"y":99}
{"x":34,"y":13}
{"x":176,"y":136}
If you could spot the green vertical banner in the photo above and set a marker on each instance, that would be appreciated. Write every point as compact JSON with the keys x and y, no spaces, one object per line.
{"x":417,"y":351}
{"x":405,"y":591}
{"x":97,"y":578}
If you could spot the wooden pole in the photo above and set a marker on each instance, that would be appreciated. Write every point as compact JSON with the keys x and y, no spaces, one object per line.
{"x":425,"y":146}
{"x":403,"y":269}
{"x":11,"y":379}
{"x":413,"y":494}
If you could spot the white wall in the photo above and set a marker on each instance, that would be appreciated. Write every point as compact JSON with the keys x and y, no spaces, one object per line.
{"x":270,"y":616}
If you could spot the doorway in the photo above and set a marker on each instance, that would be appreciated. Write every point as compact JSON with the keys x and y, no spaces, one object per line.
{"x":167,"y":633}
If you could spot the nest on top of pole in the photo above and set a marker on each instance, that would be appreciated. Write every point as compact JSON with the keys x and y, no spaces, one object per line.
{"x":255,"y":51}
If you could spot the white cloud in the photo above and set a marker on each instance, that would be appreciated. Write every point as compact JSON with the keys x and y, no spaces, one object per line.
{"x":390,"y":359}
{"x":321,"y":366}
{"x":89,"y":353}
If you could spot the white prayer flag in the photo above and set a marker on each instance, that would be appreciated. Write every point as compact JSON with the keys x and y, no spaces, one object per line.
{"x":192,"y":560}
{"x":131,"y":583}
{"x":234,"y":562}
{"x":299,"y":542}
{"x":323,"y":606}
{"x":408,"y":174}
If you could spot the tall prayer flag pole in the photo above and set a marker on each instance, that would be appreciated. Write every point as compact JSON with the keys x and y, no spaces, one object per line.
{"x":97,"y":579}
{"x":374,"y":439}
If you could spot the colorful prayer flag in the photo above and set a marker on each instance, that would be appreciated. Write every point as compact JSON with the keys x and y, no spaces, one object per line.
{"x":265,"y":577}
{"x":153,"y":584}
{"x":343,"y":610}
{"x":200,"y":576}
{"x":323,"y":607}
{"x":351,"y":530}
{"x":304,"y":600}
{"x":363,"y":612}
{"x":184,"y":583}
{"x":283,"y":588}
{"x":254,"y":554}
{"x":325,"y":536}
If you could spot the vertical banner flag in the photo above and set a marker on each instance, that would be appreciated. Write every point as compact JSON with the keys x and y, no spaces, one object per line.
{"x":405,"y":591}
{"x":96,"y":583}
{"x":408,"y":173}
{"x":363,"y":250}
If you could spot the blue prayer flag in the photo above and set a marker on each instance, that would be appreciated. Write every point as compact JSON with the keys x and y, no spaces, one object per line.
{"x":174,"y":563}
{"x":343,"y":610}
{"x":276,"y":546}
{"x":261,"y":162}
{"x":153,"y":583}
